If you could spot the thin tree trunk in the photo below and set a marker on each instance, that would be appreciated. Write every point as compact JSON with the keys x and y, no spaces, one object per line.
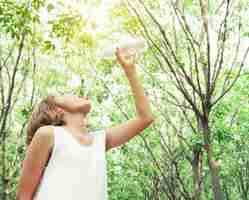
{"x":196,"y":167}
{"x":213,"y":165}
{"x":3,"y":131}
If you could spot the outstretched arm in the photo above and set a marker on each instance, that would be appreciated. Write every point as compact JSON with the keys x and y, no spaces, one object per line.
{"x":120,"y":134}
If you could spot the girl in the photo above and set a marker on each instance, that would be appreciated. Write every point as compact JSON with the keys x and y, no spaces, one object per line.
{"x":63,"y":160}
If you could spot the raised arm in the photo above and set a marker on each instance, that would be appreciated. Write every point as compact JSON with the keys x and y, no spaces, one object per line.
{"x":120,"y":134}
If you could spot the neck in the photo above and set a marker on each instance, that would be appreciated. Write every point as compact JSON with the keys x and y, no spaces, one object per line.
{"x":76,"y":123}
{"x":77,"y":129}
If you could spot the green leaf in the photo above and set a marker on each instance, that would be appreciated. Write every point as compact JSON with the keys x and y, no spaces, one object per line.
{"x":50,"y":7}
{"x":188,"y":3}
{"x":246,"y":34}
{"x":48,"y":46}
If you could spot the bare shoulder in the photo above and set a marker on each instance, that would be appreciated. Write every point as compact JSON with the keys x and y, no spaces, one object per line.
{"x":44,"y":135}
{"x":45,"y":132}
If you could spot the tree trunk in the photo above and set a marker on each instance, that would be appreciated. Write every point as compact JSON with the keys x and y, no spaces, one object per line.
{"x":213,"y":165}
{"x":3,"y":171}
{"x":196,"y":167}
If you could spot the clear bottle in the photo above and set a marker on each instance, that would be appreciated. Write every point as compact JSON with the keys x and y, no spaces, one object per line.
{"x":132,"y":45}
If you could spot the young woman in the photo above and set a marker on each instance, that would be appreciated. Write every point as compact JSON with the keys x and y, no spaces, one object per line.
{"x":63,"y":160}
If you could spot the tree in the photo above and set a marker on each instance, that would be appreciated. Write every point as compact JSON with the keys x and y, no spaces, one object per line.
{"x":202,"y":79}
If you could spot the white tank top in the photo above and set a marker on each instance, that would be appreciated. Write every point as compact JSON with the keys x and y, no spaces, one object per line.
{"x":74,"y":171}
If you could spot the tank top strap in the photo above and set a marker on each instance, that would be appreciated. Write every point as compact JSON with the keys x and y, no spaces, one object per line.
{"x":58,"y":142}
{"x":59,"y":138}
{"x":100,"y":136}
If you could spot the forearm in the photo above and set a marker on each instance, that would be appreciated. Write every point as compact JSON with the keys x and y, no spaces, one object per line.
{"x":141,"y":101}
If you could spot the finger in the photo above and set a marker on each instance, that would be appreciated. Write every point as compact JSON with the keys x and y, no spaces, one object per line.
{"x":121,"y":50}
{"x":117,"y":50}
{"x":118,"y":53}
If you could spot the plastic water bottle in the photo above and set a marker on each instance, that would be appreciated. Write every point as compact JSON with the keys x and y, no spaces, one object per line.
{"x":131,"y":45}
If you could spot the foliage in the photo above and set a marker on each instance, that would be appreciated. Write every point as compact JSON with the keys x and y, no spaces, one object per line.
{"x":52,"y":47}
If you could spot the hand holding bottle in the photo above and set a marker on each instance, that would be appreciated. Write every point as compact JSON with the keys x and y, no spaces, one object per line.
{"x":126,"y":59}
{"x":130,"y":44}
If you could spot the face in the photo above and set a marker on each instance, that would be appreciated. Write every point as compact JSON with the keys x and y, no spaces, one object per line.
{"x":74,"y":103}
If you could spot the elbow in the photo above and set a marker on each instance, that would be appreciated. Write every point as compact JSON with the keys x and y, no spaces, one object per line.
{"x":19,"y":197}
{"x":23,"y":196}
{"x":151,"y":119}
{"x":148,"y":119}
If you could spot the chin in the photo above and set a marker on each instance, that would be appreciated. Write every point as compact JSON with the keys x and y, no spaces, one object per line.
{"x":86,"y":114}
{"x":87,"y":108}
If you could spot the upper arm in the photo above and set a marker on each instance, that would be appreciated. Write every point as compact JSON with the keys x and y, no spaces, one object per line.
{"x":120,"y":134}
{"x":34,"y":162}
